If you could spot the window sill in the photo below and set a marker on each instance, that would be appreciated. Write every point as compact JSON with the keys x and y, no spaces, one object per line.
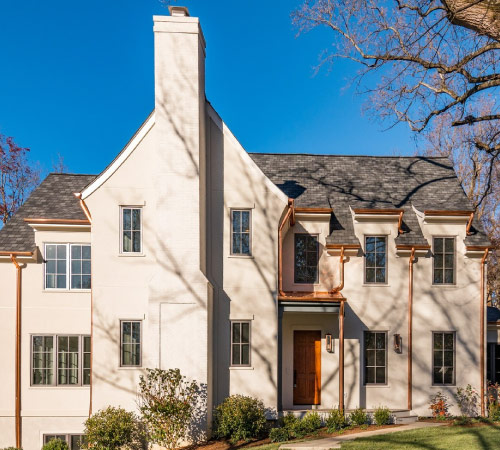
{"x":378,"y":386}
{"x":240,"y":368}
{"x":440,"y":286}
{"x":241,"y":256}
{"x":66,"y":291}
{"x":131,"y":255}
{"x":50,"y":386}
{"x":130,"y":368}
{"x":376,"y":285}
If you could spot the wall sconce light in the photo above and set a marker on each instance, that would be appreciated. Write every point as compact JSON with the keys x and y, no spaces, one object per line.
{"x":329,"y":343}
{"x":398,"y":343}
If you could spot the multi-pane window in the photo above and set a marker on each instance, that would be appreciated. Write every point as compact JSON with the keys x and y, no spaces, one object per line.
{"x":375,"y":357}
{"x":74,"y":441}
{"x":131,"y":230}
{"x":65,"y":262}
{"x":60,"y":360}
{"x":306,"y":258}
{"x":130,"y":342}
{"x":240,"y":232}
{"x":443,"y":358}
{"x":80,"y":266}
{"x":240,"y":343}
{"x":444,"y":260}
{"x":375,"y":259}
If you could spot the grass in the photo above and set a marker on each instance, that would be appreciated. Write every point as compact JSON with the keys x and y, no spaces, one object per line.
{"x":483,"y":437}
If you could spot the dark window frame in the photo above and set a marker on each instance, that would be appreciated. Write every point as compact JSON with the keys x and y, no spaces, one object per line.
{"x":375,"y":267}
{"x":122,"y":321}
{"x":454,"y":334}
{"x":316,"y":237}
{"x":249,"y":322}
{"x":444,"y":253}
{"x":232,"y":231}
{"x":386,"y":361}
{"x":55,"y":360}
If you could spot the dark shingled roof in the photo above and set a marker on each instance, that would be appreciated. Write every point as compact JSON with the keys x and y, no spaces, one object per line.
{"x":340,"y":181}
{"x":53,"y":199}
{"x":493,"y":314}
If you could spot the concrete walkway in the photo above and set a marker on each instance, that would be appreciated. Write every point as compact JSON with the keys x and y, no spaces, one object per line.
{"x":335,"y":442}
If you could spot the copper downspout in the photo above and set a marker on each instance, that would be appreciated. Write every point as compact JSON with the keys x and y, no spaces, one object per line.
{"x":410,"y":329}
{"x":481,"y":340}
{"x":341,"y":284}
{"x":83,"y":205}
{"x":288,"y":216}
{"x":18,"y":353}
{"x":341,"y":357}
{"x":469,"y":224}
{"x":400,"y":223}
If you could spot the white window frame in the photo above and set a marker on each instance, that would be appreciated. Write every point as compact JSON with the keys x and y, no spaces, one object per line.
{"x":141,"y":208}
{"x":444,"y":253}
{"x":68,"y":266}
{"x":371,"y":283}
{"x":133,"y":366}
{"x":240,"y":344}
{"x":250,"y":232}
{"x":55,"y":353}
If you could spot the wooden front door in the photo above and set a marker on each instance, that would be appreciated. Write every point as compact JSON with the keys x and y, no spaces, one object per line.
{"x":307,"y":367}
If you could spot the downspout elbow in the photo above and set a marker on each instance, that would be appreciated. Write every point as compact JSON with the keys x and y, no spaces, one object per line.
{"x":341,"y":284}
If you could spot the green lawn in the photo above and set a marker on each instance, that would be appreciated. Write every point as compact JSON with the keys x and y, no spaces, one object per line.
{"x":440,"y":438}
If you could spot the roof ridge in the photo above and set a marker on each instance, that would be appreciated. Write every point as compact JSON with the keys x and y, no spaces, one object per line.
{"x":73,"y":174}
{"x":347,"y":156}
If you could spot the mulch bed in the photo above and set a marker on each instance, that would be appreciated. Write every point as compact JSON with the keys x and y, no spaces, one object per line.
{"x":320,"y":434}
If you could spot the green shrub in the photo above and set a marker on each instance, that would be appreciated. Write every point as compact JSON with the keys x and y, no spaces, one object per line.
{"x":467,"y":400}
{"x":358,"y":417}
{"x":279,"y":434}
{"x":494,"y":411}
{"x":240,"y":418}
{"x":382,"y":416}
{"x":56,"y":444}
{"x":335,"y":421}
{"x":11,"y":448}
{"x":310,"y":422}
{"x":289,"y":421}
{"x":167,"y":402}
{"x":112,"y":428}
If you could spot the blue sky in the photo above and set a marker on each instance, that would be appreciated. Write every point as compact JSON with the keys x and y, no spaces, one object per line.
{"x":77,"y":79}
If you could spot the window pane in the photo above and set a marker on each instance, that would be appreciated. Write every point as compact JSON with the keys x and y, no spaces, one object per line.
{"x":245,"y":221}
{"x":136,"y":219}
{"x":448,"y":358}
{"x":448,"y":261}
{"x":370,"y":375}
{"x":370,"y":340}
{"x":245,"y":332}
{"x":236,"y":221}
{"x":245,"y":243}
{"x":127,"y":241}
{"x":50,"y":281}
{"x":76,"y":251}
{"x":370,"y":275}
{"x":236,"y":333}
{"x":126,"y":332}
{"x":127,"y":223}
{"x":136,"y":332}
{"x":438,"y":276}
{"x":236,"y":243}
{"x":50,"y":252}
{"x":76,"y":282}
{"x":438,"y":260}
{"x":438,"y":245}
{"x":438,"y":376}
{"x":380,"y":275}
{"x":61,"y":252}
{"x":448,"y":276}
{"x":61,"y":266}
{"x":61,"y":281}
{"x":380,"y":260}
{"x":448,"y":375}
{"x":306,"y":258}
{"x":76,"y":267}
{"x":245,"y":354}
{"x":448,"y":341}
{"x":370,"y":244}
{"x":50,"y":267}
{"x":380,"y":340}
{"x":136,"y":238}
{"x":86,"y":282}
{"x":380,"y":374}
{"x":86,"y":267}
{"x":370,"y":357}
{"x":380,"y":359}
{"x":449,"y":245}
{"x":86,"y":252}
{"x":370,"y":260}
{"x":438,"y":358}
{"x":236,"y":354}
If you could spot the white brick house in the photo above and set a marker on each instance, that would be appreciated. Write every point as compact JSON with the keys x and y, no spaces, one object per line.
{"x":308,"y":281}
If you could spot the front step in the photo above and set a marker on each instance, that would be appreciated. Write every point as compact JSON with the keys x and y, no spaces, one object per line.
{"x":404,"y":417}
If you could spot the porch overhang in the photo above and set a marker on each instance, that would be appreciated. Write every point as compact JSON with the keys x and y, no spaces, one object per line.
{"x":310,"y":307}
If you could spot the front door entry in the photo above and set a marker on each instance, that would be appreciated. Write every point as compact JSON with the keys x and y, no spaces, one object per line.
{"x":307,"y":367}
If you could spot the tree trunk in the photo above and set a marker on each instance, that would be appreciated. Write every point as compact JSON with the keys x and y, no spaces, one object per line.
{"x":482,"y":16}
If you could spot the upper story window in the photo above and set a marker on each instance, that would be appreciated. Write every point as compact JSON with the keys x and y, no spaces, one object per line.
{"x":67,"y":266}
{"x":375,"y":259}
{"x":306,"y":258}
{"x":241,"y":232}
{"x":60,"y":360}
{"x":131,"y":229}
{"x":443,"y":358}
{"x":130,"y":343}
{"x":444,"y":260}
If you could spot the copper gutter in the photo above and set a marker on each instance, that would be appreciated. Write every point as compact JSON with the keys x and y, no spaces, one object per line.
{"x":382,"y":212}
{"x":446,"y":213}
{"x":481,"y":340}
{"x":316,"y":296}
{"x":411,"y":247}
{"x":469,"y":224}
{"x":344,"y":246}
{"x":83,"y":205}
{"x":3,"y":253}
{"x":341,"y":357}
{"x":314,"y":210}
{"x":410,"y":329}
{"x":18,"y":353}
{"x":57,"y":221}
{"x":480,"y":248}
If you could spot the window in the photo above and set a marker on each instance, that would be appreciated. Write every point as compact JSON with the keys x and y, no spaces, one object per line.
{"x":306,"y":258}
{"x":60,"y":360}
{"x":240,"y":232}
{"x":375,"y":357}
{"x":131,"y":230}
{"x":240,"y":343}
{"x":375,"y":259}
{"x":74,"y":441}
{"x":444,"y":261}
{"x":59,"y":268}
{"x":130,"y":343}
{"x":443,"y":365}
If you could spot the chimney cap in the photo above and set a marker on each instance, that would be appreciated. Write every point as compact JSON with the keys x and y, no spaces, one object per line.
{"x":178,"y":11}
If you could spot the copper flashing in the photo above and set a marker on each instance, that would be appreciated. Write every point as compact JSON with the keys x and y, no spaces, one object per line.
{"x":84,"y":207}
{"x":4,"y":253}
{"x":344,"y":246}
{"x":447,"y":213}
{"x":413,"y":247}
{"x":41,"y":220}
{"x":479,"y":248}
{"x":469,"y":224}
{"x":382,"y":212}
{"x":311,"y":296}
{"x":18,"y":354}
{"x":482,"y":332}
{"x":314,"y":210}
